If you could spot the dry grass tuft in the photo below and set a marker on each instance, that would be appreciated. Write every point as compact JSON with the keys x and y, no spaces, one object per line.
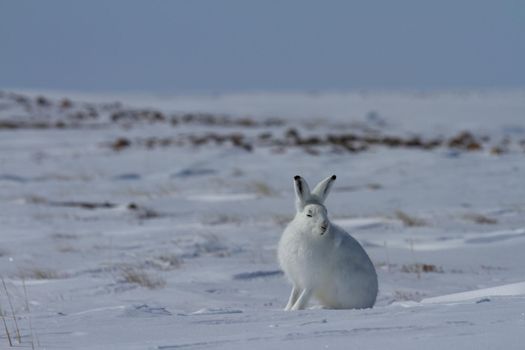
{"x":262,"y":189}
{"x":66,"y":248}
{"x":38,"y":273}
{"x":165,"y":262}
{"x":374,"y":186}
{"x":409,"y":220}
{"x":64,"y":236}
{"x":143,"y":213}
{"x":419,"y":268}
{"x":480,"y":219}
{"x":402,"y":295}
{"x":26,"y":299}
{"x":223,"y":219}
{"x":7,"y":334}
{"x":171,"y":260}
{"x":142,"y":278}
{"x":120,"y":143}
{"x":212,"y":245}
{"x":8,"y":295}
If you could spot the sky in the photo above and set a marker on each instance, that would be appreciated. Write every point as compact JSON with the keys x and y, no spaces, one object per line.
{"x":215,"y":46}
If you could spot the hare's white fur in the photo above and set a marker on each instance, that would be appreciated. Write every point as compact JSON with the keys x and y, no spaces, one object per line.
{"x":322,"y":260}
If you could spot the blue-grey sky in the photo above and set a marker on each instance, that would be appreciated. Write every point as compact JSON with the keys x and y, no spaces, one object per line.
{"x":268,"y":45}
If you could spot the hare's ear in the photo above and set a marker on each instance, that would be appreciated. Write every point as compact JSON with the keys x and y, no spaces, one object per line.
{"x":302,"y":192}
{"x":321,"y":190}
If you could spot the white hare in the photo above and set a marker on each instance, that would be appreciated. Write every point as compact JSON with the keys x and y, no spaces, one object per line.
{"x":321,"y":259}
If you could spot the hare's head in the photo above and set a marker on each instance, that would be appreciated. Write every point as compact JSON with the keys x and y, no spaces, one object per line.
{"x":311,"y":212}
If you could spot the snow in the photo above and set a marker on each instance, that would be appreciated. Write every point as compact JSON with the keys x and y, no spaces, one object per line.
{"x":174,"y":247}
{"x":513,"y":289}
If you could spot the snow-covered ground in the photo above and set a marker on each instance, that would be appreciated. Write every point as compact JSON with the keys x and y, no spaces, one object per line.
{"x":133,"y":227}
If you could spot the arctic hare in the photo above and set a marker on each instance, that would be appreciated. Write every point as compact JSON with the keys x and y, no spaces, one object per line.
{"x":321,"y":259}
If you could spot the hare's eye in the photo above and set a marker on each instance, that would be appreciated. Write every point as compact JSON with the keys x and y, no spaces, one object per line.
{"x":309,"y":215}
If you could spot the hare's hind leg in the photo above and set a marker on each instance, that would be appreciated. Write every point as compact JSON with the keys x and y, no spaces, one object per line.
{"x":293,"y":298}
{"x":303,"y":299}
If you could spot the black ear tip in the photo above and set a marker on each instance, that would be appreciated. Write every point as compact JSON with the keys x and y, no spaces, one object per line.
{"x":296,"y":177}
{"x":334,"y":177}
